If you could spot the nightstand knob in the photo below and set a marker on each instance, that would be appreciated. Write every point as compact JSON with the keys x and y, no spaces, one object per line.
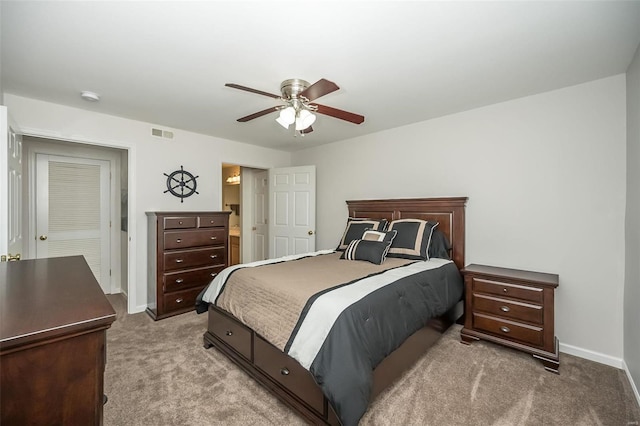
{"x":505,"y":290}
{"x":213,"y":238}
{"x":505,"y":329}
{"x":178,"y":240}
{"x":284,"y":371}
{"x":179,"y":260}
{"x":213,"y":274}
{"x":179,"y":300}
{"x":229,"y":333}
{"x":213,"y":256}
{"x":179,"y":281}
{"x":504,"y":308}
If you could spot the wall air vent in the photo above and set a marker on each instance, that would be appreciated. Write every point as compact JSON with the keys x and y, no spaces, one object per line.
{"x":162,"y":133}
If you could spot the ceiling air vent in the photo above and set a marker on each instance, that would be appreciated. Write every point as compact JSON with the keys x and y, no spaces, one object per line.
{"x":162,"y":133}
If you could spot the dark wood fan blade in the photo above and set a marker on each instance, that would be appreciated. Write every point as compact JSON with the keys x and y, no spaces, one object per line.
{"x":258,"y":114}
{"x":307,"y":130}
{"x":338,"y":113}
{"x":249,"y":89}
{"x":319,"y":88}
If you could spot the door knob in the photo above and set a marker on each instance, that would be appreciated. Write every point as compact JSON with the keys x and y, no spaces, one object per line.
{"x":43,"y":237}
{"x":9,"y":257}
{"x":310,"y":232}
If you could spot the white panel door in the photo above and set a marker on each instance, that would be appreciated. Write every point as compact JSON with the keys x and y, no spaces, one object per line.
{"x":259,"y":226}
{"x":10,"y":188}
{"x":72,"y":211}
{"x":292,"y":219}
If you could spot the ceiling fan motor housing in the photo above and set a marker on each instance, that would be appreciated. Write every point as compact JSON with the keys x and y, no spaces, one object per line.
{"x":292,"y":87}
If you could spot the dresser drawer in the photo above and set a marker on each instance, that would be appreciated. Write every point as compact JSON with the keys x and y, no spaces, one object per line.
{"x":179,"y":222}
{"x":181,"y":280}
{"x":185,"y":259}
{"x":288,"y":372}
{"x":231,"y":332}
{"x":508,"y":308}
{"x":195,"y":238}
{"x":524,"y":333}
{"x":211,"y":221}
{"x":181,"y":299}
{"x":531,"y":294}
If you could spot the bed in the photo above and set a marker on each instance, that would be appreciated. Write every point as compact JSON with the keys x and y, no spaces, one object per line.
{"x":313,"y":377}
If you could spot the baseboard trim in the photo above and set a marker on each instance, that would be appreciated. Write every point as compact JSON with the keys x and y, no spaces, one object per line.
{"x":592,"y":356}
{"x":633,"y":384}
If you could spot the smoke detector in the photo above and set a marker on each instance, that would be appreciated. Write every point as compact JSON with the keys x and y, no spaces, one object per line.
{"x":89,"y":96}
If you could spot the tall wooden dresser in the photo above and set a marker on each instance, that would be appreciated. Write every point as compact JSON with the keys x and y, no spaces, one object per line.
{"x":186,"y":251}
{"x":53,"y":322}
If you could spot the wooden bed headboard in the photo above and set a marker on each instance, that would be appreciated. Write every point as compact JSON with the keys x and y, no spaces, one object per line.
{"x":448,"y":211}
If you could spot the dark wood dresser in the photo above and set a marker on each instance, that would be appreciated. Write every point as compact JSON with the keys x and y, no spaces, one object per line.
{"x":53,"y":322}
{"x":186,"y":250}
{"x":514,"y":308}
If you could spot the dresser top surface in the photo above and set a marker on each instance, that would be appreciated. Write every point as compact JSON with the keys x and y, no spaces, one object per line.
{"x":44,"y":298}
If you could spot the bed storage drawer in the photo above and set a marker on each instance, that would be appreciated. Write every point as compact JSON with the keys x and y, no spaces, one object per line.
{"x":286,"y":371}
{"x":231,"y":332}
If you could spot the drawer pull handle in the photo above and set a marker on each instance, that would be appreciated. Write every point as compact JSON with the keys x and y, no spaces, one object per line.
{"x":211,"y":222}
{"x":505,"y":329}
{"x":214,"y":238}
{"x":213,"y":274}
{"x":284,"y":371}
{"x":178,"y":240}
{"x":504,"y":308}
{"x":213,"y":256}
{"x":180,"y":223}
{"x":229,"y":333}
{"x":179,"y":281}
{"x":179,"y":300}
{"x":179,"y":260}
{"x":505,"y":290}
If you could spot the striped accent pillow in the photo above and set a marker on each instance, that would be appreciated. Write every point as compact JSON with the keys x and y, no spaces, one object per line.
{"x":371,"y":251}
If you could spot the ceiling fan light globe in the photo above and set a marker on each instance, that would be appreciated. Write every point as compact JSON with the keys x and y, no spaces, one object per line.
{"x":288,"y":115}
{"x":305,"y":119}
{"x":283,"y":123}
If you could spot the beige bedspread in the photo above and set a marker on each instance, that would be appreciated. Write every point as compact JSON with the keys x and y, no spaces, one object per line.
{"x":270,"y":298}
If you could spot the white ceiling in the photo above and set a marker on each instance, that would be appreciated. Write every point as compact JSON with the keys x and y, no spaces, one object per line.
{"x":395,"y":62}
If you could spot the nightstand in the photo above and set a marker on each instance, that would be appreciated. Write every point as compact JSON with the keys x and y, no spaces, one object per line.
{"x":513,"y":308}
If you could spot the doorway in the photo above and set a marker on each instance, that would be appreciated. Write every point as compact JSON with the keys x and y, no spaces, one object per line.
{"x":56,"y":200}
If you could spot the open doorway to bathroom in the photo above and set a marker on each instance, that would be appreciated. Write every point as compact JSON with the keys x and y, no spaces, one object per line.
{"x":232,"y":201}
{"x":245,"y":195}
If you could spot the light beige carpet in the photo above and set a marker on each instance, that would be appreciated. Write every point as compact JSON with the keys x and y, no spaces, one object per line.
{"x":158,"y":373}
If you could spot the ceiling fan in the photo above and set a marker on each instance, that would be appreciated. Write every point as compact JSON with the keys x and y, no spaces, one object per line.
{"x":298,"y":106}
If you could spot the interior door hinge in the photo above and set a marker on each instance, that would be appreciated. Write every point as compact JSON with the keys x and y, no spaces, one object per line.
{"x":109,"y":272}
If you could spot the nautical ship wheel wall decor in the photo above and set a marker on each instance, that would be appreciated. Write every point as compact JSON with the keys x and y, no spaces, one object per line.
{"x":181,"y":184}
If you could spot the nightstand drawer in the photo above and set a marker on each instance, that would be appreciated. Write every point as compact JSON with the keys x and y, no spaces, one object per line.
{"x":509,"y":329}
{"x":518,"y":311}
{"x":532,"y":294}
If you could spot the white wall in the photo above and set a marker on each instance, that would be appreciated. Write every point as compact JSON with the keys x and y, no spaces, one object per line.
{"x":149,"y":158}
{"x":632,"y":276}
{"x":545,"y":176}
